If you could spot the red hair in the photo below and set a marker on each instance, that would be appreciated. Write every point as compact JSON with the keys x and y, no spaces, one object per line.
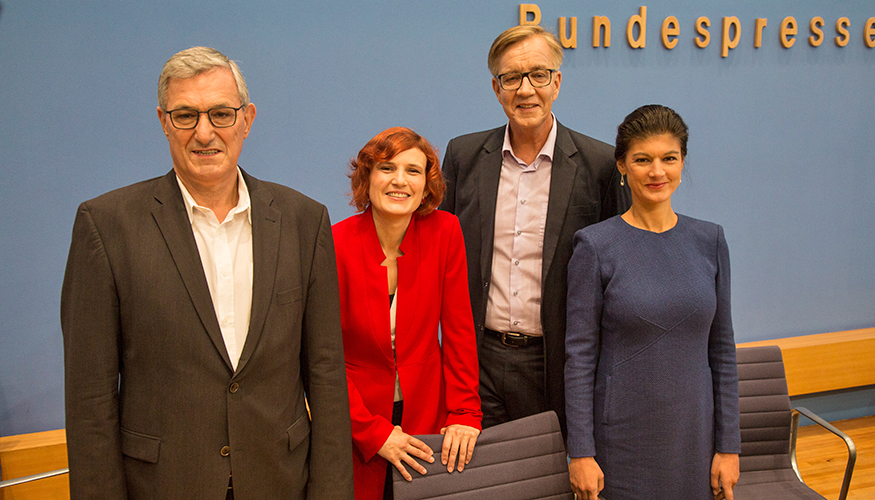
{"x":385,"y":146}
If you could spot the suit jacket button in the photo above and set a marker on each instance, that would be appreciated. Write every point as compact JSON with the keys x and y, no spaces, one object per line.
{"x":225,"y":451}
{"x":234,"y":387}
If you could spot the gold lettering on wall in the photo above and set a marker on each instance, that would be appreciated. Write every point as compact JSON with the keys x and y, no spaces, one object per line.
{"x":842,"y":29}
{"x":529,"y":8}
{"x":761,"y":23}
{"x":568,"y":42}
{"x":727,"y":43}
{"x":704,"y":37}
{"x":670,"y":28}
{"x":869,"y":33}
{"x":788,"y":32}
{"x":730,"y":36}
{"x":641,"y":20}
{"x":599,"y":22}
{"x":816,"y":37}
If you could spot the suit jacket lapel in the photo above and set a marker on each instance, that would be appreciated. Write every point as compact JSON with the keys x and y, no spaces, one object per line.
{"x":561,"y":183}
{"x":175,"y":226}
{"x":489,"y":175}
{"x":266,"y":222}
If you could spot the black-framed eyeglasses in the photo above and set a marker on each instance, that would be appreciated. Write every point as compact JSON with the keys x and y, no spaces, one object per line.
{"x":186,"y":119}
{"x":537,"y":78}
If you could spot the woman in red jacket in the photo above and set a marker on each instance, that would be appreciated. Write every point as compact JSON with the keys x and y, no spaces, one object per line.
{"x":402,"y":271}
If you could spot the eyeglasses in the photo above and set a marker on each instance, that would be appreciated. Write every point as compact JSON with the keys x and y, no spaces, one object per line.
{"x":186,"y":119}
{"x":537,"y":78}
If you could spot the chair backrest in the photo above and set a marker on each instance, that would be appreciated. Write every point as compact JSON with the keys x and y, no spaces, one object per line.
{"x":516,"y":460}
{"x":765,"y":410}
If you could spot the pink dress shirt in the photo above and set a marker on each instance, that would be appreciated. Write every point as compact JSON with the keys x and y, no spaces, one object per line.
{"x":520,"y":218}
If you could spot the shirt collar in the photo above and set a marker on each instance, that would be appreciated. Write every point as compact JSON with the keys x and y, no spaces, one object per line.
{"x":546,"y":150}
{"x":243,"y":204}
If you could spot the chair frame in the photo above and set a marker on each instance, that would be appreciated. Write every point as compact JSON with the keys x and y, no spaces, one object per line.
{"x":795,"y":413}
{"x":34,"y":477}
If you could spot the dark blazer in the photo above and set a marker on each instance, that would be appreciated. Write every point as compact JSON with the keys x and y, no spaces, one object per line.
{"x":584,"y":189}
{"x":153,"y":407}
{"x":438,"y":377}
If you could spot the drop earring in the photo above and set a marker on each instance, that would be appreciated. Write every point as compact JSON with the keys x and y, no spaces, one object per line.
{"x":622,"y":179}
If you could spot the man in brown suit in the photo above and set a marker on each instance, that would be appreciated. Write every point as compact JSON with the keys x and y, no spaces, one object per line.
{"x":198,"y":310}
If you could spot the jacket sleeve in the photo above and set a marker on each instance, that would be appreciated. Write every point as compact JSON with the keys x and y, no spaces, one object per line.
{"x":92,"y":345}
{"x":369,"y":431}
{"x":585,"y":303}
{"x":721,"y":357}
{"x":325,"y":377}
{"x":461,"y":369}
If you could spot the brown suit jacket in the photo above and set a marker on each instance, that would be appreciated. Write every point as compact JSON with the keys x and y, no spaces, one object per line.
{"x":153,"y":407}
{"x":584,"y":189}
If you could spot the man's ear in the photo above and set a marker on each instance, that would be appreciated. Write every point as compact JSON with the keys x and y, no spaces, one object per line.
{"x":248,"y":116}
{"x":557,"y":83}
{"x":161,"y":114}
{"x":496,"y":88}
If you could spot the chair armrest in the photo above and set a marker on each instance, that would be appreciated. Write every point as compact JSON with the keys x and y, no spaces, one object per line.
{"x":852,"y":449}
{"x":35,"y":477}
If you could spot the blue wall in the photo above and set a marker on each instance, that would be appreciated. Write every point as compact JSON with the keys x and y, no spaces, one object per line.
{"x":780,"y":145}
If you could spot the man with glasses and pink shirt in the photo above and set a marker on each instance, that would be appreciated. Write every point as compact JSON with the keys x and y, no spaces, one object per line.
{"x":520,"y":192}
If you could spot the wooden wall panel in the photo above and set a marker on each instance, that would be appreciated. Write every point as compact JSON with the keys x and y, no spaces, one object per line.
{"x":28,"y":454}
{"x":827,"y":361}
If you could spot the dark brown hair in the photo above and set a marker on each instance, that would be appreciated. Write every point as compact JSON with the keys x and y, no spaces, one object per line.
{"x":647,"y":121}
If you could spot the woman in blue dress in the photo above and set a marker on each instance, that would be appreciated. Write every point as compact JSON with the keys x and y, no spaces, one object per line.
{"x":650,"y":378}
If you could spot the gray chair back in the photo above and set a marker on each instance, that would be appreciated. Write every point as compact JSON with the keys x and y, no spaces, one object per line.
{"x":765,"y":410}
{"x":518,"y":460}
{"x":766,"y":469}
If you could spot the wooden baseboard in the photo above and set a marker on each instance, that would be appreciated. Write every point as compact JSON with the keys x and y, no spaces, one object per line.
{"x":28,"y":454}
{"x":826,"y":361}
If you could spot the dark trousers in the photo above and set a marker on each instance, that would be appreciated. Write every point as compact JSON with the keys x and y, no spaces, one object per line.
{"x":388,"y":493}
{"x":511,"y":381}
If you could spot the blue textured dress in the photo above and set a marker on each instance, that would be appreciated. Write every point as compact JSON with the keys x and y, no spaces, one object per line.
{"x":650,"y":379}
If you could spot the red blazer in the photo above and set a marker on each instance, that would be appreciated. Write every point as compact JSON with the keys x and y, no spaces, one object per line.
{"x":439,"y":378}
